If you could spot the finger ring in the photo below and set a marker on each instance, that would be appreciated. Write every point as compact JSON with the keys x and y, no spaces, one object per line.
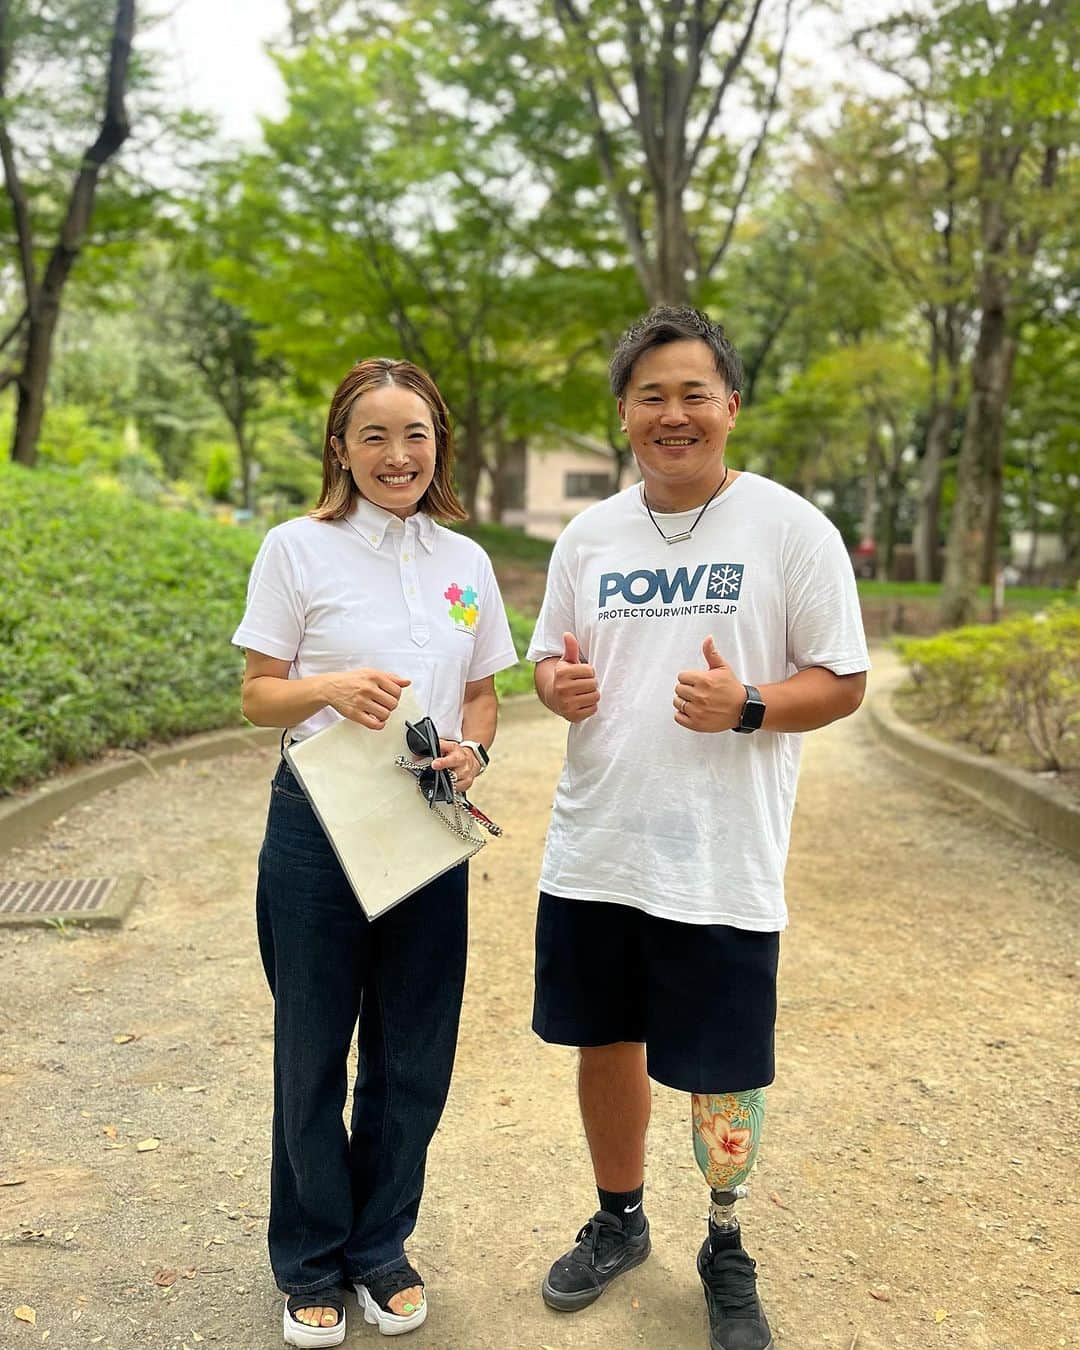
{"x":683,"y":708}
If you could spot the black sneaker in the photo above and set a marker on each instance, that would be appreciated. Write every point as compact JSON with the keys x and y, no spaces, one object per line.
{"x":604,"y":1250}
{"x":736,"y":1317}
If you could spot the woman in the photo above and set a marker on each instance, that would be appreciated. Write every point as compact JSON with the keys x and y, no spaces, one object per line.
{"x":345,"y":608}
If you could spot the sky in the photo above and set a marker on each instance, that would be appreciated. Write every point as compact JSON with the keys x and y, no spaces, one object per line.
{"x":216,"y":60}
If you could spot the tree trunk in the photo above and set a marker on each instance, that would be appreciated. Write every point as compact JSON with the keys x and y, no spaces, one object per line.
{"x":471,"y":453}
{"x":995,"y":468}
{"x":43,"y":299}
{"x":868,"y":524}
{"x":890,"y":506}
{"x":31,"y":381}
{"x":928,"y":510}
{"x":991,"y":373}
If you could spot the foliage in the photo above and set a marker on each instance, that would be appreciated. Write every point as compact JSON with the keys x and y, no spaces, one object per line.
{"x":518,"y":679}
{"x":1002,"y":683}
{"x":115,"y":618}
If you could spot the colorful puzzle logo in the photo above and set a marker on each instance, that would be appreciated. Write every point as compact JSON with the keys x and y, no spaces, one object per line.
{"x":463,"y":607}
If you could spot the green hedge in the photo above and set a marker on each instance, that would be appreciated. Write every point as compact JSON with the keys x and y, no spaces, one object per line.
{"x":1012,"y":687}
{"x":115,"y":620}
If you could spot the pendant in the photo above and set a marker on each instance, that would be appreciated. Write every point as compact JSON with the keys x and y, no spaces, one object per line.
{"x":677,"y":538}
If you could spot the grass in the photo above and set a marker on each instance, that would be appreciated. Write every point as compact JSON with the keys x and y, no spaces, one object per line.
{"x":115,"y":619}
{"x":1026,"y":598}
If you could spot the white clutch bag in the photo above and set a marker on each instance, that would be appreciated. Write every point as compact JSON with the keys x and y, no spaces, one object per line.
{"x":389,"y":841}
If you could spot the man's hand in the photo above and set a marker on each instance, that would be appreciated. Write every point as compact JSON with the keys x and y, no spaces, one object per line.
{"x":575,"y":693}
{"x":460,"y":760}
{"x":365,"y":696}
{"x":709,"y":700}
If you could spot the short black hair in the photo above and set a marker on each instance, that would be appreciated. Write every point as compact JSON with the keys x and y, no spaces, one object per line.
{"x":673,"y":323}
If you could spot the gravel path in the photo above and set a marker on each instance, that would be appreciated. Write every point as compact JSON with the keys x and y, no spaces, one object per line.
{"x":918,"y":1180}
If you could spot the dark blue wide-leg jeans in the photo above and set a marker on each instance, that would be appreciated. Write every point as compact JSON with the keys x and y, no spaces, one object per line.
{"x":342,"y":1203}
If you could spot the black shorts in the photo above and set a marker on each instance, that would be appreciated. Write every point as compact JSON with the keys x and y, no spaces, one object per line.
{"x":702,"y":997}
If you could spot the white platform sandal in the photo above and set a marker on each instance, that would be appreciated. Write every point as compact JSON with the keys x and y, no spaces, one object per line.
{"x":376,"y":1292}
{"x":314,"y":1338}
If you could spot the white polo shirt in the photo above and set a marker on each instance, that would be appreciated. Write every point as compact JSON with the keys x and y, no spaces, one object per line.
{"x":404,"y":596}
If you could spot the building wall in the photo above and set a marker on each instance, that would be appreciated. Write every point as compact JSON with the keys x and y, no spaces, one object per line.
{"x":548,"y":476}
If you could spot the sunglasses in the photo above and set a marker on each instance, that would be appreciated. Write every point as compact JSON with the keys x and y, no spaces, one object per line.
{"x":422,"y":740}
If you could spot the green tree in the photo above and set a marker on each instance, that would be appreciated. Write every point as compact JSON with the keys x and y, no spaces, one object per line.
{"x":398,"y":223}
{"x":72,"y":45}
{"x":1006,"y":79}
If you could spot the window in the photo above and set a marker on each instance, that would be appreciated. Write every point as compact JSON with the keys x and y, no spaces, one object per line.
{"x":591,"y":485}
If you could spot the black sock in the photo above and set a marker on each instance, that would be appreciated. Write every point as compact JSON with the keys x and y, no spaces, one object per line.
{"x":625,"y":1205}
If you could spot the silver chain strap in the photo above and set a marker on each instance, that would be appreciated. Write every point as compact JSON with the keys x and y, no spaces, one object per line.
{"x":460,"y":822}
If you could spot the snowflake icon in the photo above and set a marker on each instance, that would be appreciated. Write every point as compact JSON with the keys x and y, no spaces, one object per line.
{"x":725,"y":581}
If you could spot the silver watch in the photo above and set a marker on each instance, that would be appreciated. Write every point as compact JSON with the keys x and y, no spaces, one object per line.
{"x":482,"y":756}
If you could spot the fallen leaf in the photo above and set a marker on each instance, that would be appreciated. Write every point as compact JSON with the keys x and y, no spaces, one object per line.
{"x":14,"y":1181}
{"x":880,"y":1295}
{"x":635,"y":1303}
{"x":25,"y":1314}
{"x":147,"y":1145}
{"x":76,"y":1313}
{"x":110,"y":1131}
{"x":124,"y":1038}
{"x":194,"y":1087}
{"x":505,"y":1100}
{"x":940,"y":1315}
{"x":777,"y":1201}
{"x":165,"y":1279}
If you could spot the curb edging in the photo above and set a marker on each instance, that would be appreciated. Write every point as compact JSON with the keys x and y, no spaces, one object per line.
{"x":1038,"y":808}
{"x":25,"y":815}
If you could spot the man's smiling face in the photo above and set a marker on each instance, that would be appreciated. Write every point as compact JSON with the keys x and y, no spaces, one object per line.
{"x":678,"y":412}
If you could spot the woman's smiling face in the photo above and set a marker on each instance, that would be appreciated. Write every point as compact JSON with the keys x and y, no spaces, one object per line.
{"x":389,"y":447}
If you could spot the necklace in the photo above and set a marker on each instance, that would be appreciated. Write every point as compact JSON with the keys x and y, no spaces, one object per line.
{"x":679,"y":538}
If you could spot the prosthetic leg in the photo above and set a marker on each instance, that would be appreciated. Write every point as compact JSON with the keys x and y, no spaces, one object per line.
{"x":727,"y":1132}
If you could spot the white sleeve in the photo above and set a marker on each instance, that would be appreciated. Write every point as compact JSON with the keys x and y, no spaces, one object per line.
{"x":824,"y":623}
{"x":494,"y":647}
{"x":273,"y":621}
{"x":557,"y":612}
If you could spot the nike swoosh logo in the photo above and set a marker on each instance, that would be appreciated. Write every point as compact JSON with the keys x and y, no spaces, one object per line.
{"x":631,"y":1208}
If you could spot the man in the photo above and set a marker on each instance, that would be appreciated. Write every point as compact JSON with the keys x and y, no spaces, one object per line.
{"x":693,"y":625}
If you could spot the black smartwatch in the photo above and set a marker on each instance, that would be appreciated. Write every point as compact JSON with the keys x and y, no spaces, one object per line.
{"x":483,"y":758}
{"x":753,"y":713}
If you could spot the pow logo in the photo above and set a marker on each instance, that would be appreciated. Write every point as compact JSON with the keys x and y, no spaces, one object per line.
{"x":464,"y":609}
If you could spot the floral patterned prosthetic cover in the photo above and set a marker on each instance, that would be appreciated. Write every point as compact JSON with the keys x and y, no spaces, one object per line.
{"x":727,"y":1132}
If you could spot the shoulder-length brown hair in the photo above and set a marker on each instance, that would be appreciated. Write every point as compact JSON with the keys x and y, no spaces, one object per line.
{"x":339,"y":491}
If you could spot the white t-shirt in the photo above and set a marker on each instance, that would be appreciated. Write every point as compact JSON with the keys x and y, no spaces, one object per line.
{"x":408,"y":597}
{"x":678,"y":823}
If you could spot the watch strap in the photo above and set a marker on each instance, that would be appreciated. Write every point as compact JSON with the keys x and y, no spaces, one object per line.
{"x":753,"y":711}
{"x":481,"y":755}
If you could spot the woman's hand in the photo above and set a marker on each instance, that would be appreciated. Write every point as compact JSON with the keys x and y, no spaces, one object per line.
{"x":365,"y":696}
{"x":461,"y":760}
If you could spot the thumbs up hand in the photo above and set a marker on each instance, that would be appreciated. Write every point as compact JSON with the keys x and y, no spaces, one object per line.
{"x":710,"y":699}
{"x":575,"y":693}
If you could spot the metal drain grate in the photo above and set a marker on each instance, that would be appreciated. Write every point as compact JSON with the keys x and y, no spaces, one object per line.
{"x":87,"y":899}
